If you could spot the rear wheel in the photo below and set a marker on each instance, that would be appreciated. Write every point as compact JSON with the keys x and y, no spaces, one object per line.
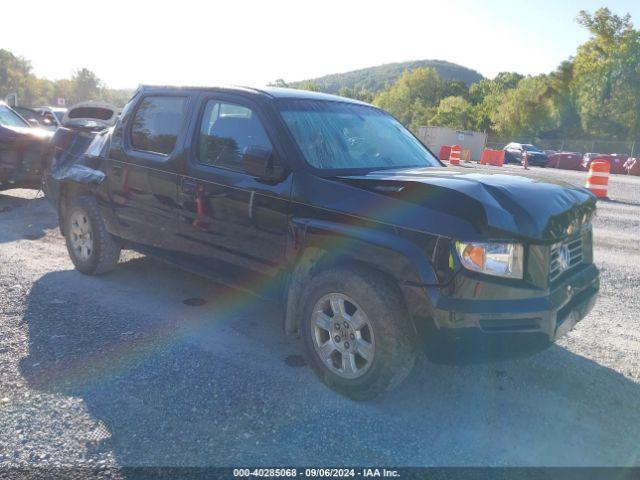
{"x":357,"y":333}
{"x":93,"y":250}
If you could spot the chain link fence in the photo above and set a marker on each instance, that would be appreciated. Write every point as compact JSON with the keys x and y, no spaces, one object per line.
{"x":571,"y":145}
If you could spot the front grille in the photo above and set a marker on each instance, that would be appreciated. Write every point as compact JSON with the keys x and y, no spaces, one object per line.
{"x":565,"y":256}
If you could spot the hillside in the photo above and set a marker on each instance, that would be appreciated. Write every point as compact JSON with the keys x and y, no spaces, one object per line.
{"x":376,"y":78}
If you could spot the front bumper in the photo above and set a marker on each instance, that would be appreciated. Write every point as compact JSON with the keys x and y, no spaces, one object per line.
{"x":551,"y":312}
{"x":538,"y":161}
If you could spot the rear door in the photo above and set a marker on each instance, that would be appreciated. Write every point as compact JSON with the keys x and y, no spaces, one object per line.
{"x":143,"y":169}
{"x":227,"y":216}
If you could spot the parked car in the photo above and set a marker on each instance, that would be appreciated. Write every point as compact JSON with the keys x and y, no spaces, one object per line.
{"x":616,"y":161}
{"x":29,"y":114}
{"x":586,"y":160}
{"x":566,"y":161}
{"x":334,"y":208}
{"x":514,"y":152}
{"x":632,"y":166}
{"x":22,"y":150}
{"x":49,"y":118}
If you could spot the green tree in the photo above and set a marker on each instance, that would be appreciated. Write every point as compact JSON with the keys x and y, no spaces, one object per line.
{"x":116,"y":97}
{"x":312,"y":87}
{"x":606,"y":76}
{"x":487,"y":95}
{"x":412,"y":95}
{"x":15,"y":75}
{"x":86,"y":86}
{"x":279,"y":82}
{"x":564,"y":101}
{"x":525,"y":110}
{"x":362,"y":95}
{"x":456,"y":88}
{"x":485,"y":87}
{"x":454,"y":112}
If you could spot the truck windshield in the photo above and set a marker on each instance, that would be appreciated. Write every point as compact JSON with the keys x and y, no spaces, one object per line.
{"x":345,"y":136}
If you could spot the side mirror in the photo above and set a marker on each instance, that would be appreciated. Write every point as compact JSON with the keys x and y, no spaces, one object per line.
{"x":255,"y":161}
{"x":258,"y":161}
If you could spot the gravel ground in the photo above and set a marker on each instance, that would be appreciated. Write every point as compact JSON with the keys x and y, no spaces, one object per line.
{"x":117,"y":371}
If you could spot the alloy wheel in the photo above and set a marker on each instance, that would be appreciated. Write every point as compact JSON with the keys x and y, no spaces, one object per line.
{"x":81,"y":236}
{"x":342,"y":335}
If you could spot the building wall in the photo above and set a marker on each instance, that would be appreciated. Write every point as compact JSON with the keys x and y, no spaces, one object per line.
{"x":436,"y":137}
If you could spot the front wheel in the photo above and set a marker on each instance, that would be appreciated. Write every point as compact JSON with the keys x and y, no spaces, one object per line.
{"x":509,"y":158}
{"x":357,"y":333}
{"x":93,"y":250}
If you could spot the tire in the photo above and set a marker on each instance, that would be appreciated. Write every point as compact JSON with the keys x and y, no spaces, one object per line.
{"x":93,"y":250}
{"x":389,"y":336}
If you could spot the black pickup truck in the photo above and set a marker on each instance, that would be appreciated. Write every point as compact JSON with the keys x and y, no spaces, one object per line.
{"x":334,"y":208}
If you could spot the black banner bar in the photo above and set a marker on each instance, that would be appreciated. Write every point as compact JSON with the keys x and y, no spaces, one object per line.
{"x":396,"y":473}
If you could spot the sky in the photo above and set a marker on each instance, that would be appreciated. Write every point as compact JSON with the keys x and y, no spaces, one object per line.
{"x":243,"y":42}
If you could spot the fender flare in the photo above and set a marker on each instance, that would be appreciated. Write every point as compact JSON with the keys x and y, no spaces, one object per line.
{"x":66,"y":190}
{"x":318,"y":244}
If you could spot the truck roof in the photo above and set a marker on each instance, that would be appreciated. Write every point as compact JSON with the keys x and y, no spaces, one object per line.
{"x":269,"y":92}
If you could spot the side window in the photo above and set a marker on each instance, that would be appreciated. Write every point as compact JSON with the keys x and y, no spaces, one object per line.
{"x":226,"y":132}
{"x":156,"y":124}
{"x":48,"y":119}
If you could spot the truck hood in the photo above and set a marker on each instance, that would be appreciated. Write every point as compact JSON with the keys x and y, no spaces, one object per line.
{"x":491,"y":204}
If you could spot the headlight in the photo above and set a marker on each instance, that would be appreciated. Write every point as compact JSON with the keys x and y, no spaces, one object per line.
{"x":500,"y":259}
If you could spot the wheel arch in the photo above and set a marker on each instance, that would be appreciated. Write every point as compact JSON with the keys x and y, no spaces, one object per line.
{"x":68,"y":190}
{"x":321,"y":245}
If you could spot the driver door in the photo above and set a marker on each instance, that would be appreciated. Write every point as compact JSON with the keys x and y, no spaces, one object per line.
{"x":227,"y":215}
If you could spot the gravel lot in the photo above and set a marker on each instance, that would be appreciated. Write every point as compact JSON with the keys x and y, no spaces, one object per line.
{"x":118,"y":371}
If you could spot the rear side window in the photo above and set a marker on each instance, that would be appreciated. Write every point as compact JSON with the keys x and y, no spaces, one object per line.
{"x":227,"y":130}
{"x":91,"y":112}
{"x":156,"y":124}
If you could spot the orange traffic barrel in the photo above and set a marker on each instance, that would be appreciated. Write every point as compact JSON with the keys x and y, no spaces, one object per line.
{"x":454,"y":156}
{"x":598,"y":178}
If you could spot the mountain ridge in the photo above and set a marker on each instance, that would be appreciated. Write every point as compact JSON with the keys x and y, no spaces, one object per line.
{"x":376,"y":78}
